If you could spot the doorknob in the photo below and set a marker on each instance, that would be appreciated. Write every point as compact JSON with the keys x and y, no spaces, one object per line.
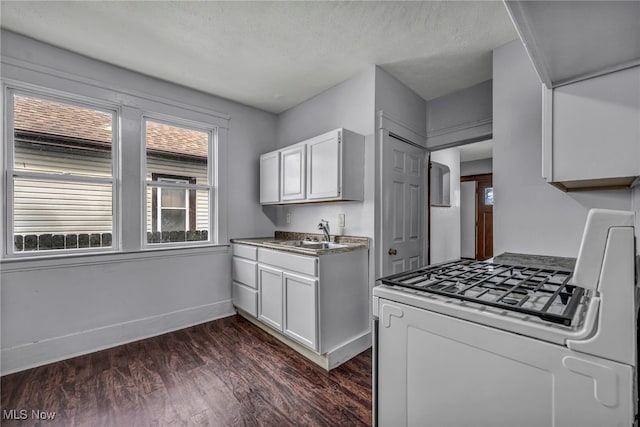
{"x":393,"y":251}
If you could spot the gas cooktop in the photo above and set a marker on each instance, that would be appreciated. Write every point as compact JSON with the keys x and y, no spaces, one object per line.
{"x":535,"y":291}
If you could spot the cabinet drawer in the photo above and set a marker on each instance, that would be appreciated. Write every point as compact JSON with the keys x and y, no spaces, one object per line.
{"x":245,"y":251}
{"x":244,"y":271}
{"x":245,"y":298}
{"x":301,"y":264}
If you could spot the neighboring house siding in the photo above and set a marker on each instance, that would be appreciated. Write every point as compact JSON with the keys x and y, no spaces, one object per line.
{"x":180,"y":168}
{"x":79,"y":163}
{"x":42,"y":207}
{"x":61,"y":208}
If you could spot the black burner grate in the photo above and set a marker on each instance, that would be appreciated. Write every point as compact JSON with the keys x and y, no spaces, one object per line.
{"x":536,"y":291}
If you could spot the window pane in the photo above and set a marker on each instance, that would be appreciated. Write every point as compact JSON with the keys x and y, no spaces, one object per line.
{"x":173,"y":198}
{"x":176,"y":151}
{"x":173,"y":220}
{"x":185,"y":224}
{"x":61,"y":215}
{"x":53,"y":137}
{"x":488,"y":196}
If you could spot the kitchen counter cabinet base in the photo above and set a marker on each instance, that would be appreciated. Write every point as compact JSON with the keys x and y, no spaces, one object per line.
{"x":319,"y":303}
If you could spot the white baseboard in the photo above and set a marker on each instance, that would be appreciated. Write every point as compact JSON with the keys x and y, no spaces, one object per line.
{"x":346,"y":351}
{"x":40,"y":353}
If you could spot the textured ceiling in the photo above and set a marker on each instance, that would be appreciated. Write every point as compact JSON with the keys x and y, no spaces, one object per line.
{"x":274,"y":55}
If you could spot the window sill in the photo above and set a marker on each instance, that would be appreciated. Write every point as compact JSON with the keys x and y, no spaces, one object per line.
{"x":8,"y":265}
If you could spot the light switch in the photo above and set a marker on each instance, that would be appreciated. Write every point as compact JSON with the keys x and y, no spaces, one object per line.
{"x":341,"y":220}
{"x":288,"y":217}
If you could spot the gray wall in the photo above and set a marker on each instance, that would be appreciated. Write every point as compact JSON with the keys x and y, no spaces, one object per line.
{"x":400,"y":103}
{"x":465,"y":115}
{"x":355,"y":105}
{"x":348,"y":105}
{"x":445,"y":221}
{"x":57,"y":308}
{"x":531,"y":216}
{"x":476,"y":167}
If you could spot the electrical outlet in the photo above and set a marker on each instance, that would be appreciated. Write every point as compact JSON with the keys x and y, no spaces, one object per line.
{"x":288,"y":217}
{"x":341,"y":220}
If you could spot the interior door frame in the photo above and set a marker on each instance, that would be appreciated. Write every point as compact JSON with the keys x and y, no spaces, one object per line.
{"x":389,"y":127}
{"x":477,"y":179}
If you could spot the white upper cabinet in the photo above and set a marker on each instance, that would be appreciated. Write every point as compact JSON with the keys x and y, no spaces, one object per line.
{"x":270,"y":178}
{"x":292,"y":173}
{"x":324,"y":168}
{"x":591,"y":135}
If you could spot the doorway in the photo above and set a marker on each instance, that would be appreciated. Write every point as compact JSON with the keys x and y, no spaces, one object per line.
{"x":461,"y":227}
{"x":476,"y":216}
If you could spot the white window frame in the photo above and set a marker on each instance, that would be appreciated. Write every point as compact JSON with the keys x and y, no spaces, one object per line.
{"x":213,"y":139}
{"x":9,"y":90}
{"x":159,"y":203}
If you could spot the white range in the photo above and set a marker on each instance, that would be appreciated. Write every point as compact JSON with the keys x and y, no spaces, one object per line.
{"x":476,"y":344}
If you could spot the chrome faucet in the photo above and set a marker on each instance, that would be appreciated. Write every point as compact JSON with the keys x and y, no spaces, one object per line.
{"x":324,"y":226}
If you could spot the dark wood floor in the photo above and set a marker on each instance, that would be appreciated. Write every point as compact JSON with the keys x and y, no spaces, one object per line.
{"x":223,"y":373}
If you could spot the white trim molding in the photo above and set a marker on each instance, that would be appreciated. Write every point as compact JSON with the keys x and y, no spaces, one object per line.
{"x":15,"y":66}
{"x":39,"y":353}
{"x":401,"y":129}
{"x":128,"y":181}
{"x":454,"y":135}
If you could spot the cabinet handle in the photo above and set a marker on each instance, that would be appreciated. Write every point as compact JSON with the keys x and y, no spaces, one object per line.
{"x":393,"y":251}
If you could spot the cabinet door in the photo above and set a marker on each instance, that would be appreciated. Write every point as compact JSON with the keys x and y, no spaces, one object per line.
{"x":323,"y":166}
{"x":300,"y":309}
{"x":270,"y":178}
{"x":245,"y":298}
{"x":593,"y":131}
{"x":293,"y":173}
{"x":244,"y":271}
{"x":270,"y":296}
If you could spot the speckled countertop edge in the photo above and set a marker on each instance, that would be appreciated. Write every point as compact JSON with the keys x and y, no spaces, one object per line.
{"x":353,"y":242}
{"x":535,"y":261}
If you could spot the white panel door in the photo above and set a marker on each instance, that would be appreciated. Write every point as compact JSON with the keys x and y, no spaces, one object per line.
{"x":293,"y":173}
{"x":323,"y":167}
{"x":270,"y":296}
{"x":468,"y":219}
{"x":270,"y":178}
{"x":403,"y":204}
{"x":300,"y":309}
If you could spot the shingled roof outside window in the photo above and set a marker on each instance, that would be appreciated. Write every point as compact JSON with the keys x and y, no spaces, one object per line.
{"x":38,"y":117}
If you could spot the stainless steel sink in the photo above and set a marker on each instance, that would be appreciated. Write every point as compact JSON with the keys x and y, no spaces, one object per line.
{"x":306,"y":244}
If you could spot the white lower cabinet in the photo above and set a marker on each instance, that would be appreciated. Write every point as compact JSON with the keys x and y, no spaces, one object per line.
{"x":245,"y":298}
{"x":320,"y":302}
{"x":270,"y":296}
{"x":300,"y":309}
{"x":244,"y":275}
{"x":288,"y":303}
